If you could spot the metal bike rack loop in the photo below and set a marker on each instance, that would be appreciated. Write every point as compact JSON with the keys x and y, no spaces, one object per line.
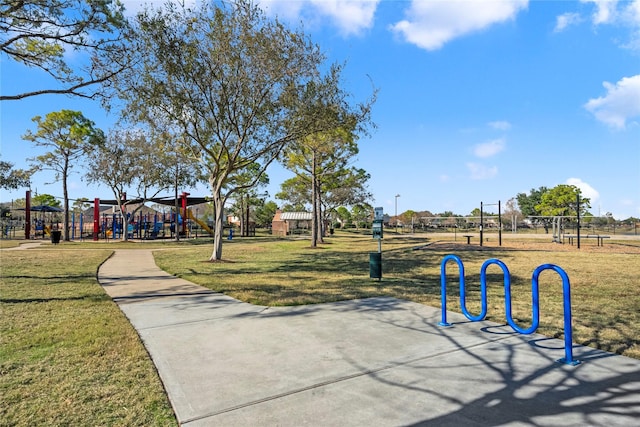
{"x":535,"y":299}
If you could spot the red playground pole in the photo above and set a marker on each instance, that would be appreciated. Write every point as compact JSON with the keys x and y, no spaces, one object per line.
{"x":96,"y":218}
{"x":27,"y":215}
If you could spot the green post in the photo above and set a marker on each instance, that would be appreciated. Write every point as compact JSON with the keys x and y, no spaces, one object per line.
{"x":375,"y":258}
{"x":375,"y":265}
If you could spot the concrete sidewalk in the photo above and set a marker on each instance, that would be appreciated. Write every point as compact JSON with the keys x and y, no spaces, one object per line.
{"x":372,"y":362}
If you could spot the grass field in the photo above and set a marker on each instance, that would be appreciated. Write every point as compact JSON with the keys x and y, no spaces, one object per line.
{"x":5,"y":243}
{"x":68,"y":356}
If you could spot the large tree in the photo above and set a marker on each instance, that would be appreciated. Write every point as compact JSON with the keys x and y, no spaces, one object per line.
{"x":322,"y":159}
{"x":264,"y":212}
{"x":511,"y":215}
{"x":179,"y":154}
{"x":409,"y":217}
{"x":231,"y":79}
{"x":297,"y":192}
{"x":134,"y":167}
{"x":42,"y":35}
{"x":343,"y":187}
{"x":321,"y":162}
{"x":562,"y":200}
{"x":361,"y":213}
{"x":12,"y":179}
{"x":68,"y":135}
{"x":173,"y":154}
{"x":348,"y":187}
{"x":46,"y":200}
{"x":344,"y":215}
{"x":528,"y":206}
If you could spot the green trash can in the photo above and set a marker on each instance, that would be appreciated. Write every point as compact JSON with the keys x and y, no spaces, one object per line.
{"x":55,"y":236}
{"x":375,"y":265}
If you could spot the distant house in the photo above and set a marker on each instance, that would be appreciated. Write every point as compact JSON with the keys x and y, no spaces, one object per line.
{"x":233,"y":220}
{"x":104,"y":210}
{"x":285,"y":223}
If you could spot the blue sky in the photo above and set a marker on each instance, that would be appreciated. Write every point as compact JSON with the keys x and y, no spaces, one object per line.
{"x":478,"y":100}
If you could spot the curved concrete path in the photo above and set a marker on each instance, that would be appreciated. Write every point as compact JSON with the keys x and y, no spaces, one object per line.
{"x":373,"y":362}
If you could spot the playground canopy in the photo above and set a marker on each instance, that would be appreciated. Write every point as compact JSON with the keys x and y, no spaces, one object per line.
{"x":42,"y":208}
{"x":167,"y":201}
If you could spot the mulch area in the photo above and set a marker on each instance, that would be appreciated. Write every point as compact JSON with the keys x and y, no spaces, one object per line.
{"x":586,"y":245}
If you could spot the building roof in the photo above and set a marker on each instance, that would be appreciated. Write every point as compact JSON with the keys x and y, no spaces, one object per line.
{"x":296,"y":216}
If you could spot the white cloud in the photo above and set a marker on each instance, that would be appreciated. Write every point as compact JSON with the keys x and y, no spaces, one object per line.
{"x":349,"y":16}
{"x":586,"y":189}
{"x":287,"y":10}
{"x":479,"y":171}
{"x":632,"y":12}
{"x":565,"y":20}
{"x":624,"y":14}
{"x":352,"y":17}
{"x":620,"y":104}
{"x":605,"y":11}
{"x":490,"y":148}
{"x":608,"y":12}
{"x":500,"y":125}
{"x":431,"y":24}
{"x":631,"y":17}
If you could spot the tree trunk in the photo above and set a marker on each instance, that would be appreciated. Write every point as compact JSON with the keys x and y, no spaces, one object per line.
{"x":246,"y":224}
{"x":65,"y":194}
{"x":314,"y":203}
{"x":321,"y":228}
{"x":243,"y":225}
{"x":125,"y":222}
{"x":218,"y":226}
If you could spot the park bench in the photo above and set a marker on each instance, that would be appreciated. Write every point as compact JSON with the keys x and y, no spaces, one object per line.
{"x":468,"y":236}
{"x":598,"y":237}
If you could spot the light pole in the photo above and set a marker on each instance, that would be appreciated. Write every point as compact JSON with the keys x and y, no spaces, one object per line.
{"x":397,"y":195}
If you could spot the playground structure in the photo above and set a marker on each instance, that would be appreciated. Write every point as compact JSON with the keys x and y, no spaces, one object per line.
{"x":141,"y":226}
{"x":535,"y":302}
{"x":150,"y":226}
{"x":202,"y":224}
{"x":44,"y":222}
{"x":98,"y":224}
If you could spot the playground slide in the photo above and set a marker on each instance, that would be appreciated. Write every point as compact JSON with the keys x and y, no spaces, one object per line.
{"x":202,"y":224}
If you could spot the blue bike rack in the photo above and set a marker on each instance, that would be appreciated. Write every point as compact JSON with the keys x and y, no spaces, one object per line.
{"x":535,"y":299}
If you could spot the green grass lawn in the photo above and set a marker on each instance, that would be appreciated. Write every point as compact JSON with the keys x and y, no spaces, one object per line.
{"x":68,"y":356}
